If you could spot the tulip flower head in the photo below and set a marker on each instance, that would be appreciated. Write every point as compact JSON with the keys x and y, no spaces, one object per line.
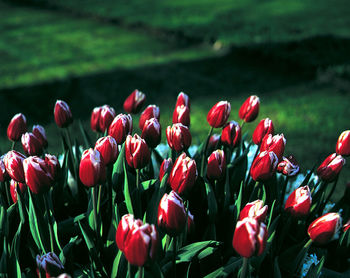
{"x":31,"y":144}
{"x":166,"y":166}
{"x":3,"y":174}
{"x":151,"y":132}
{"x":216,"y":165}
{"x":299,"y":202}
{"x":13,"y":161}
{"x":218,"y":114}
{"x":92,"y":170}
{"x":231,"y":134}
{"x":179,"y":137}
{"x":330,"y":167}
{"x":183,"y":99}
{"x":255,"y":210}
{"x":343,"y":143}
{"x":213,"y":142}
{"x":120,"y":128}
{"x":250,"y":109}
{"x":134,"y":102}
{"x":324,"y":229}
{"x":274,"y":144}
{"x":62,"y":113}
{"x":95,"y":119}
{"x":264,"y":166}
{"x":40,"y":134}
{"x":14,"y":187}
{"x":151,"y":111}
{"x":52,"y":164}
{"x":181,"y":115}
{"x":106,"y":117}
{"x":16,"y":127}
{"x":288,"y":166}
{"x":49,"y":265}
{"x":108,"y":148}
{"x":263,"y":128}
{"x":136,"y":152}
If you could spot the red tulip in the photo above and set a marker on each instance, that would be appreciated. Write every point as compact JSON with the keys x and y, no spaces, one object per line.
{"x":92,"y":168}
{"x":13,"y":161}
{"x":151,"y":111}
{"x":166,"y":164}
{"x":3,"y":173}
{"x":324,"y":228}
{"x":31,"y":144}
{"x":52,"y":164}
{"x":219,"y":114}
{"x":14,"y":186}
{"x":250,"y":237}
{"x":108,"y":148}
{"x":37,"y":175}
{"x":231,"y":134}
{"x":263,"y":166}
{"x":346,"y":226}
{"x":40,"y":134}
{"x":255,"y":209}
{"x":299,"y":202}
{"x":263,"y":128}
{"x":95,"y":119}
{"x":183,"y":99}
{"x":183,"y":175}
{"x":106,"y":117}
{"x":343,"y":144}
{"x":213,"y":142}
{"x":274,"y":144}
{"x":49,"y":265}
{"x":134,"y":102}
{"x":288,"y":166}
{"x":136,"y":152}
{"x":16,"y":127}
{"x":62,"y":113}
{"x":181,"y":115}
{"x":330,"y":167}
{"x":216,"y":165}
{"x":120,"y":128}
{"x":151,"y":132}
{"x":249,"y":109}
{"x":172,"y":214}
{"x":179,"y":137}
{"x":125,"y":226}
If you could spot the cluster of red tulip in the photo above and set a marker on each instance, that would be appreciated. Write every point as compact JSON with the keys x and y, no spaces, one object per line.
{"x":192,"y":206}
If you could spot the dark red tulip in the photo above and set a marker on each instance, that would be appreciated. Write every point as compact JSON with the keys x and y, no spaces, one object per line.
{"x":250,"y":109}
{"x":16,"y":127}
{"x":264,"y":166}
{"x":324,"y":228}
{"x":166,"y":164}
{"x":151,"y":111}
{"x":219,"y":114}
{"x":49,"y":265}
{"x":92,"y":170}
{"x":136,"y":152}
{"x":106,"y":118}
{"x":299,"y":202}
{"x":14,"y":187}
{"x":37,"y":174}
{"x":181,"y":115}
{"x":216,"y":165}
{"x":125,"y":227}
{"x":274,"y":144}
{"x":152,"y":132}
{"x":40,"y":134}
{"x":52,"y":164}
{"x":62,"y":113}
{"x":255,"y":210}
{"x":263,"y":128}
{"x":120,"y":128}
{"x":231,"y":134}
{"x":95,"y":119}
{"x":343,"y":143}
{"x":108,"y":148}
{"x":134,"y":102}
{"x":3,"y":174}
{"x":171,"y":214}
{"x":31,"y":144}
{"x":250,"y":237}
{"x":288,"y":166}
{"x":183,"y":99}
{"x":179,"y":137}
{"x":330,"y":167}
{"x":213,"y":142}
{"x":13,"y":161}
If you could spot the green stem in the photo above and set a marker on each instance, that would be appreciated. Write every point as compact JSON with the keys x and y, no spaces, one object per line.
{"x":99,"y":198}
{"x":46,"y":203}
{"x":283,"y":192}
{"x":13,"y":145}
{"x":137,"y":179}
{"x":204,"y":155}
{"x":307,"y":244}
{"x":167,"y":243}
{"x":8,"y":195}
{"x":129,"y":270}
{"x":242,"y":124}
{"x":314,"y":188}
{"x":245,"y":267}
{"x":332,"y":191}
{"x":140,"y":275}
{"x":174,"y":255}
{"x":93,"y":192}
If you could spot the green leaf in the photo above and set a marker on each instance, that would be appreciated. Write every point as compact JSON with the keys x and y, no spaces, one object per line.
{"x":232,"y":265}
{"x":188,"y":252}
{"x":67,"y":248}
{"x":127,"y":195}
{"x":276,"y":269}
{"x":118,"y":166}
{"x":238,"y":201}
{"x":116,"y":265}
{"x":212,"y":205}
{"x":271,"y":214}
{"x":86,"y":137}
{"x":3,"y":222}
{"x":147,"y":184}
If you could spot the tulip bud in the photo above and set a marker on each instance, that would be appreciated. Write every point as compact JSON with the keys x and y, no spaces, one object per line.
{"x":263,"y":166}
{"x":324,"y":228}
{"x":16,"y":127}
{"x":166,"y":164}
{"x":181,"y":115}
{"x":299,"y":202}
{"x":216,"y":165}
{"x":231,"y":134}
{"x":255,"y":209}
{"x":250,"y":109}
{"x":274,"y":144}
{"x":250,"y":237}
{"x":134,"y":102}
{"x":40,"y":134}
{"x":106,"y":117}
{"x":3,"y":173}
{"x":183,"y":99}
{"x":37,"y":174}
{"x":52,"y":164}
{"x":288,"y":166}
{"x":263,"y":128}
{"x":95,"y":119}
{"x":136,"y":152}
{"x":330,"y":167}
{"x":125,"y":226}
{"x":151,"y":111}
{"x":219,"y":114}
{"x":108,"y":148}
{"x":213,"y":142}
{"x":179,"y":137}
{"x":49,"y":265}
{"x":14,"y":187}
{"x":152,"y":132}
{"x":92,"y":169}
{"x":172,"y":214}
{"x":62,"y":113}
{"x":120,"y":128}
{"x":31,"y":144}
{"x":183,"y":175}
{"x":343,"y":144}
{"x":13,"y":161}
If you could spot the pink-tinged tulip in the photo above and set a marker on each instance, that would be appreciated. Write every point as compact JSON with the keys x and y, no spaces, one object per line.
{"x":172,"y":214}
{"x":120,"y":128}
{"x":14,"y":187}
{"x":136,"y":152}
{"x":263,"y":128}
{"x":213,"y":142}
{"x":13,"y":161}
{"x":62,"y":113}
{"x":49,"y":265}
{"x":179,"y":137}
{"x":299,"y":202}
{"x":250,"y":237}
{"x":151,"y":111}
{"x":274,"y":144}
{"x":108,"y":148}
{"x":250,"y":109}
{"x":255,"y":210}
{"x":92,"y":170}
{"x":231,"y":134}
{"x":106,"y":117}
{"x":16,"y":127}
{"x":330,"y":167}
{"x":37,"y":174}
{"x":3,"y":174}
{"x":183,"y":175}
{"x":324,"y":228}
{"x":95,"y":119}
{"x":264,"y":166}
{"x":343,"y":144}
{"x":166,"y":164}
{"x":52,"y":164}
{"x":40,"y":134}
{"x":134,"y":102}
{"x":288,"y":166}
{"x":216,"y":165}
{"x":125,"y":226}
{"x":219,"y":114}
{"x":31,"y":144}
{"x":151,"y":132}
{"x":183,"y":99}
{"x":346,"y":226}
{"x":181,"y":115}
